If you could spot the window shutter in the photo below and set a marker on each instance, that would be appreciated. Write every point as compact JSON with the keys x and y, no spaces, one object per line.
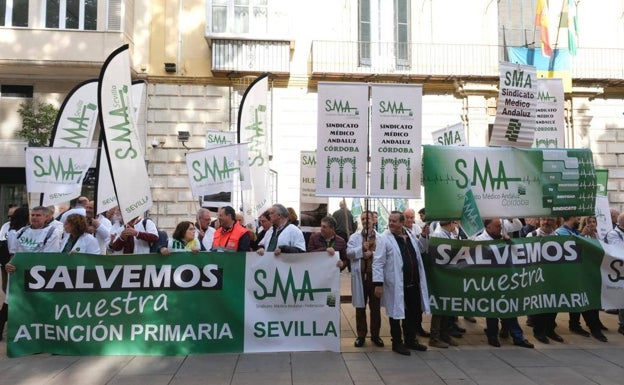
{"x":114,"y":15}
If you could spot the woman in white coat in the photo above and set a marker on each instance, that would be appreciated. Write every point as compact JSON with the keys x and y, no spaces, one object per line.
{"x":76,"y":239}
{"x":403,"y":292}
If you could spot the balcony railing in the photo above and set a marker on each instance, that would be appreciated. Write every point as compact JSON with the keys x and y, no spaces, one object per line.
{"x":232,"y":55}
{"x":443,"y":60}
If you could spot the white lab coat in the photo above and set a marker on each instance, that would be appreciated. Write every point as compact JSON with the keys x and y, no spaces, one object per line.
{"x":86,"y":244}
{"x":388,"y":268}
{"x":355,"y":253}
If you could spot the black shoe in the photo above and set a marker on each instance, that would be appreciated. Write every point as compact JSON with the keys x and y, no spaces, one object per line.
{"x":423,"y":333}
{"x":359,"y":342}
{"x":578,"y":329}
{"x":612,"y":311}
{"x":504,"y":333}
{"x":603,"y":328}
{"x":414,"y":345}
{"x":494,"y":342}
{"x":400,"y":348}
{"x":524,"y":344}
{"x":541,"y":338}
{"x":377,"y":341}
{"x":456,"y":327}
{"x":554,"y":336}
{"x":621,"y":330}
{"x":599,"y":336}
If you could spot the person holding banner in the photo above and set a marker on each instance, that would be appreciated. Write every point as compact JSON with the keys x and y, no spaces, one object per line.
{"x":493,"y":231}
{"x":360,"y":250}
{"x":183,"y":239}
{"x":76,"y":239}
{"x":204,"y":233}
{"x":99,"y":226}
{"x":327,"y":240}
{"x":283,"y":237}
{"x":544,"y":323}
{"x":38,"y":237}
{"x":136,"y":236}
{"x":230,"y":236}
{"x":400,"y":282}
{"x":616,"y":237}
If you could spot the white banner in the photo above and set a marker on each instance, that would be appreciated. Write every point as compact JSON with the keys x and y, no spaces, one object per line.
{"x":312,"y":208}
{"x":342,"y":139}
{"x":549,"y":122}
{"x":514,"y":125}
{"x":396,"y":127}
{"x":292,"y":303}
{"x":454,"y":135}
{"x":106,"y":198}
{"x":219,"y":138}
{"x":213,"y":171}
{"x":74,"y":128}
{"x":56,"y":171}
{"x":612,"y":271}
{"x":123,"y":146}
{"x":253,"y":129}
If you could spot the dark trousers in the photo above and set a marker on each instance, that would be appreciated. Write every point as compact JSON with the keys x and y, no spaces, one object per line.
{"x":510,"y":323}
{"x":544,"y":323}
{"x":374,"y":308}
{"x":411,"y":295}
{"x":591,"y":317}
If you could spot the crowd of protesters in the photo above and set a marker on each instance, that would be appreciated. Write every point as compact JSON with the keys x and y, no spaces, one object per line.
{"x":385,"y":265}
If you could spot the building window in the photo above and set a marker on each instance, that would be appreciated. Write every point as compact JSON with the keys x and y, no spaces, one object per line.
{"x":384,"y":33}
{"x":71,"y":14}
{"x":401,"y":25}
{"x":14,"y":13}
{"x":239,"y":16}
{"x":365,"y":32}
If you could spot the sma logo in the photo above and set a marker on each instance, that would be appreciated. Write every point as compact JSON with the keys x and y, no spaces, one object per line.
{"x":393,"y":108}
{"x":339,"y":106}
{"x":309,"y":160}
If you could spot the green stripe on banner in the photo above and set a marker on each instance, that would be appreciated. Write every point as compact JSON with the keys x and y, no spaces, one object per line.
{"x":514,"y":277}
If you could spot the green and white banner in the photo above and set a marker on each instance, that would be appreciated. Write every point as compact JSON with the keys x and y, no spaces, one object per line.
{"x":509,"y":182}
{"x":74,"y":128}
{"x":549,"y":122}
{"x":80,"y":304}
{"x":602,"y":180}
{"x":121,"y":137}
{"x":342,"y":139}
{"x":454,"y":135}
{"x":253,"y":128}
{"x":515,"y":277}
{"x":215,"y":138}
{"x":213,"y":171}
{"x":396,"y":126}
{"x":55,"y":170}
{"x":514,"y":124}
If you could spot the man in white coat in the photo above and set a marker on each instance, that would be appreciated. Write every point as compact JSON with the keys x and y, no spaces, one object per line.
{"x":283,"y":237}
{"x":400,"y":282}
{"x":361,"y":248}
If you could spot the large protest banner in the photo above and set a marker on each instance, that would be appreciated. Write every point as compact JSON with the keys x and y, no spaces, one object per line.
{"x":80,"y":304}
{"x":514,"y":277}
{"x":342,"y":139}
{"x":509,"y":182}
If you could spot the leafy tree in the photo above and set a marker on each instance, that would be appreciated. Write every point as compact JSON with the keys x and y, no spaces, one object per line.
{"x":37,"y":122}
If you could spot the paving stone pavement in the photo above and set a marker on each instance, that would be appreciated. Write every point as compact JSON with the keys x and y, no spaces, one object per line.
{"x":579,"y":360}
